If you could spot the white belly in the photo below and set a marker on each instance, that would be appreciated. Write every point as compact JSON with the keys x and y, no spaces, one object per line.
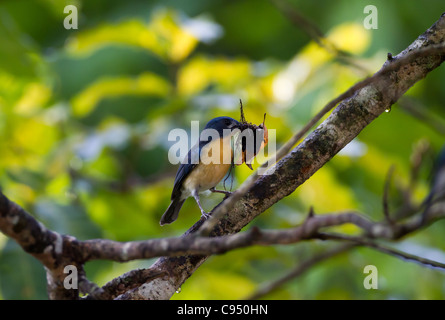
{"x":204,"y":177}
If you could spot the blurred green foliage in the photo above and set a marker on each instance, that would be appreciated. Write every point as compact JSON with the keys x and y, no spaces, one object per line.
{"x":85,"y":115}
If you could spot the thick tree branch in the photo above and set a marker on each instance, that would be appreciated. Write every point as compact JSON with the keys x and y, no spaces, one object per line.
{"x":45,"y":245}
{"x":377,"y":81}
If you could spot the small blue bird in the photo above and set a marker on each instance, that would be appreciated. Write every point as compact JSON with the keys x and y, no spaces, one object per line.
{"x":193,"y":176}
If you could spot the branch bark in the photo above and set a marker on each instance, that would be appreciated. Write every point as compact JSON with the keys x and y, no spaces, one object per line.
{"x":45,"y":245}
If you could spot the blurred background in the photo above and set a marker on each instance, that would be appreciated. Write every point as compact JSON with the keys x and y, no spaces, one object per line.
{"x":85,"y":115}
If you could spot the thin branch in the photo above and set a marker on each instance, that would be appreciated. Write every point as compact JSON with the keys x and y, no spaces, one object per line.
{"x":382,"y":248}
{"x":299,"y":270}
{"x":388,"y":179}
{"x":312,"y":30}
{"x":421,"y":149}
{"x":420,"y":112}
{"x":90,"y":288}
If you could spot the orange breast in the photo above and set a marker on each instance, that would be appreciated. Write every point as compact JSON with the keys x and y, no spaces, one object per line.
{"x":217,"y":159}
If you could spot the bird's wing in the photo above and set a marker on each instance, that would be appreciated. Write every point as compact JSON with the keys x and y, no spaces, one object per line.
{"x":185,"y":169}
{"x":193,"y":158}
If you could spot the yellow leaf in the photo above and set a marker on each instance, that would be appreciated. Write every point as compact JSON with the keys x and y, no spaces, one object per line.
{"x":162,"y":36}
{"x":147,"y":83}
{"x":35,"y":96}
{"x":202,"y":71}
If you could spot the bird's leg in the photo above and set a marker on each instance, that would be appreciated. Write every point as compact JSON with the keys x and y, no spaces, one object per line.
{"x":227,"y":193}
{"x":196,"y":196}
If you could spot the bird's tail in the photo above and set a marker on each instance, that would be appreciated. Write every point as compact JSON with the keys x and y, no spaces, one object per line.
{"x":171,"y":214}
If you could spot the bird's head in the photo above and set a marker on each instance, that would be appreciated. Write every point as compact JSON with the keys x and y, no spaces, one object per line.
{"x":222,"y":123}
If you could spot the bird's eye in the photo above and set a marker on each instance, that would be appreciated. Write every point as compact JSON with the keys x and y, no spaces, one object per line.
{"x":227,"y":122}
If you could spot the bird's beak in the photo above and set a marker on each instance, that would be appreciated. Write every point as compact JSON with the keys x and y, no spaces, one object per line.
{"x":237,"y":126}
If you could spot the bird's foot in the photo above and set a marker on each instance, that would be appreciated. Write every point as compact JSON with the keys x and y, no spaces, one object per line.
{"x":205,"y":215}
{"x":226,"y":193}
